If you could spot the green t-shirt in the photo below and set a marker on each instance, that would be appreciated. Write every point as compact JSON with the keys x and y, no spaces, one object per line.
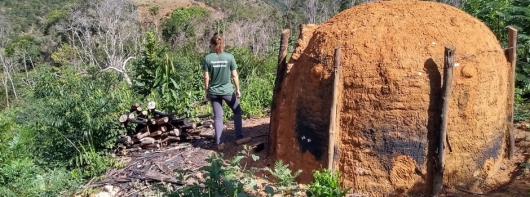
{"x":219,"y":66}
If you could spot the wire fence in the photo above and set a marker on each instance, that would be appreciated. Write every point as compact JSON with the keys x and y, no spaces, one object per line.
{"x":328,"y":59}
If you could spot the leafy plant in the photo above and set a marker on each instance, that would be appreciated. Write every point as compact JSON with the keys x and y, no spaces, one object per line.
{"x":89,"y":163}
{"x":498,"y":15}
{"x":220,"y":178}
{"x":285,"y":178}
{"x":170,"y":80}
{"x":326,"y":183}
{"x":20,"y":174}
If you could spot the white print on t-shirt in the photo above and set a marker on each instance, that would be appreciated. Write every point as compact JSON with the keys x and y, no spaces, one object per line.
{"x":217,"y":64}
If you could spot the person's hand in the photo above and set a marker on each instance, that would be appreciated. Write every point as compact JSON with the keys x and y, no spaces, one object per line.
{"x":238,"y":94}
{"x":206,"y":96}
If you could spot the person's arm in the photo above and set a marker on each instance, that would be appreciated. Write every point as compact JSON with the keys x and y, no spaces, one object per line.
{"x":235,"y":77}
{"x":236,"y":82}
{"x":206,"y":84}
{"x":206,"y":79}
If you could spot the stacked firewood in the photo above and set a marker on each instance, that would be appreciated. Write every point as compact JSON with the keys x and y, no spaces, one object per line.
{"x":154,"y":128}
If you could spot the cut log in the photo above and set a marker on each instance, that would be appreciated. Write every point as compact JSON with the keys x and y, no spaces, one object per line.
{"x":125,"y":140}
{"x":175,"y":132}
{"x":180,"y":122}
{"x":138,"y":122}
{"x":163,"y":128}
{"x":151,"y":106}
{"x":155,"y":133}
{"x":189,"y":126}
{"x":151,"y":121}
{"x":143,"y":119}
{"x":148,"y":140}
{"x":207,"y":133}
{"x":134,"y":107}
{"x":193,"y":131}
{"x":171,"y":139}
{"x":206,"y":124}
{"x":129,"y":117}
{"x":143,"y":135}
{"x":162,"y":121}
{"x":159,"y":113}
{"x":164,"y":135}
{"x":144,"y":113}
{"x":124,"y":117}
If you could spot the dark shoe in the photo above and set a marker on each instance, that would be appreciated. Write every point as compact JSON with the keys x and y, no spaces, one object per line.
{"x":220,"y":147}
{"x":243,"y":140}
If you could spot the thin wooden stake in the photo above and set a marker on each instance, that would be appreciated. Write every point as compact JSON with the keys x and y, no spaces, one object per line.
{"x":512,"y":55}
{"x":446,"y":89}
{"x":284,"y":43}
{"x":333,"y":115}
{"x":280,"y":74}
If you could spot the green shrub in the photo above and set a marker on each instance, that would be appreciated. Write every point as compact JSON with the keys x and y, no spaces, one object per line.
{"x":285,"y":179}
{"x":22,"y":177}
{"x":175,"y":80}
{"x":220,"y":177}
{"x":326,"y":183}
{"x":181,"y":22}
{"x":67,"y":110}
{"x":20,"y":174}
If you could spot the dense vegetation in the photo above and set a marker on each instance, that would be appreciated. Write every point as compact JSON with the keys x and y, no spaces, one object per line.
{"x":69,"y":68}
{"x":498,"y":15}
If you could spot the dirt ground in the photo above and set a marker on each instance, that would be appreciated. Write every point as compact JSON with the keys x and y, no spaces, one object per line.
{"x":151,"y":166}
{"x":517,"y":177}
{"x":165,"y":7}
{"x":145,"y":168}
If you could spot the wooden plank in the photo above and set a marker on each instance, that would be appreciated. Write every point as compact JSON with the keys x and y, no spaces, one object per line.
{"x":333,"y":115}
{"x":280,"y":74}
{"x":446,"y":90}
{"x":512,"y":58}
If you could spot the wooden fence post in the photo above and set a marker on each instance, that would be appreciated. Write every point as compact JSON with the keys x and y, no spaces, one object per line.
{"x":333,"y":115}
{"x":446,"y":90}
{"x":280,"y":74}
{"x":512,"y":58}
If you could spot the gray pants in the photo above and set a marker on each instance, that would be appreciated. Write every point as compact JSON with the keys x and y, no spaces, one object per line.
{"x":217,"y":105}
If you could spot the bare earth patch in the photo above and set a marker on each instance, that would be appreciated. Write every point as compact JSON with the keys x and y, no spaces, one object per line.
{"x":144,"y":166}
{"x":165,"y":7}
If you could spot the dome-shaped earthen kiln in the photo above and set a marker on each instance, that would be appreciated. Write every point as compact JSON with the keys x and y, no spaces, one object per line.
{"x":390,"y":98}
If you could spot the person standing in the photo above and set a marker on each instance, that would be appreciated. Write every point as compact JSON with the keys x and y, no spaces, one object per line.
{"x":218,"y":67}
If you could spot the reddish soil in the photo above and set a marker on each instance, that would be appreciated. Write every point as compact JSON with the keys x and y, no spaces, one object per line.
{"x":258,"y":129}
{"x":165,"y":7}
{"x":138,"y":163}
{"x":390,"y":103}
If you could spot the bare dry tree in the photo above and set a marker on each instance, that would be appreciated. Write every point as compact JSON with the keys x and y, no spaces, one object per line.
{"x":7,"y":63}
{"x":7,"y":66}
{"x":311,"y":9}
{"x":258,"y":33}
{"x":106,"y":34}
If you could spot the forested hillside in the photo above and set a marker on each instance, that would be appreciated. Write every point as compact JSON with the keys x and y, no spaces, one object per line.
{"x":69,"y":68}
